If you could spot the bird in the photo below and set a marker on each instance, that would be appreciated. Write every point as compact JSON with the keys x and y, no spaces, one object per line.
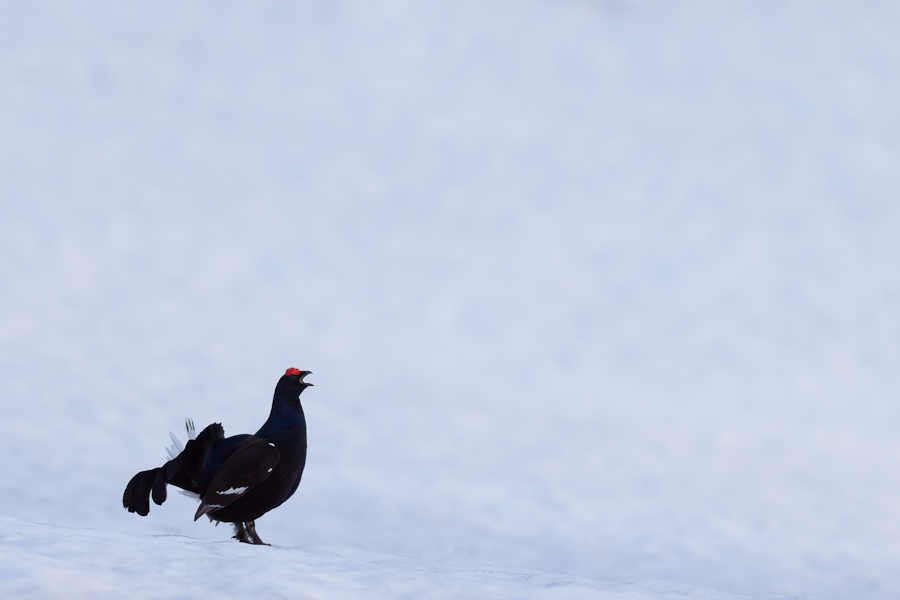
{"x":239,"y":478}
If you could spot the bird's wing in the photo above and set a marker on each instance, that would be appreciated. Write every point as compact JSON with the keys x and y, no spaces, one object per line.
{"x":248,"y":466}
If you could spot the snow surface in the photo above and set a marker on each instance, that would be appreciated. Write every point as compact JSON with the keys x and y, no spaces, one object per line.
{"x":601,"y":288}
{"x":111,"y":564}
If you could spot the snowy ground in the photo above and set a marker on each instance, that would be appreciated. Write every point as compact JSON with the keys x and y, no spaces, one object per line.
{"x":47,"y":561}
{"x":605,"y":289}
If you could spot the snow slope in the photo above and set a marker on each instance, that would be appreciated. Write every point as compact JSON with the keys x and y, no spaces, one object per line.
{"x":47,"y":561}
{"x":607,"y":289}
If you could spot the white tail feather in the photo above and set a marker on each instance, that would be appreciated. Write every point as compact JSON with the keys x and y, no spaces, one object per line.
{"x":177,"y":448}
{"x":177,"y":443}
{"x":189,"y":494}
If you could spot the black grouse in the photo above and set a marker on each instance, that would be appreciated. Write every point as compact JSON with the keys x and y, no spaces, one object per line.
{"x":239,"y":478}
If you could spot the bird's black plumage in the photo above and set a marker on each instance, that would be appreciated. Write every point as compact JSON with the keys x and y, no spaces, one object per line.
{"x":238,"y":478}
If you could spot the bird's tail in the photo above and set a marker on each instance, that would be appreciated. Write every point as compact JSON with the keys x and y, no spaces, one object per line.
{"x":138,"y":491}
{"x":183,"y":471}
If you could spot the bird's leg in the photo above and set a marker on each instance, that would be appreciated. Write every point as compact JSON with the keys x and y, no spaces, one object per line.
{"x":251,"y":530}
{"x":240,"y":533}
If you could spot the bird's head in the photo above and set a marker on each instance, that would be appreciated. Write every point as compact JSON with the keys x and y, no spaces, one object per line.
{"x":291,"y":383}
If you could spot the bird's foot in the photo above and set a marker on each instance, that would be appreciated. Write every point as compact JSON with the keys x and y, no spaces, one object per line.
{"x":250,"y":527}
{"x":240,"y":533}
{"x":246,"y":533}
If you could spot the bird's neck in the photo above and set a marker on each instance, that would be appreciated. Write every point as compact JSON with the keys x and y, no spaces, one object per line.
{"x":285,"y":420}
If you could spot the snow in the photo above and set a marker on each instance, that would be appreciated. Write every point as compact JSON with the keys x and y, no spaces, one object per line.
{"x":599,"y":288}
{"x":111,"y":564}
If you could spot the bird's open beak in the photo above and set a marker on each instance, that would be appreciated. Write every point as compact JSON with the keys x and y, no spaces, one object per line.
{"x":304,"y":374}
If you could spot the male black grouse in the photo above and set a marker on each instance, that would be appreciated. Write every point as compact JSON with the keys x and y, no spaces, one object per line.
{"x":239,"y":478}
